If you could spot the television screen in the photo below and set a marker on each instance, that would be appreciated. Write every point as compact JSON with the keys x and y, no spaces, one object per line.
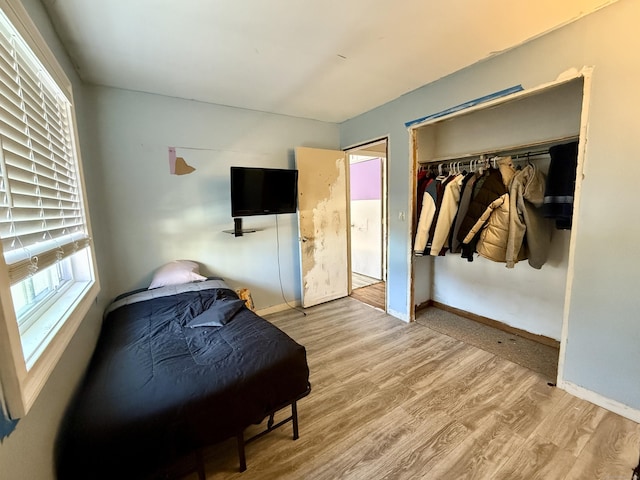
{"x":263,"y":191}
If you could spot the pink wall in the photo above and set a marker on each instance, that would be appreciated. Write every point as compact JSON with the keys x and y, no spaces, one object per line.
{"x":366,"y":183}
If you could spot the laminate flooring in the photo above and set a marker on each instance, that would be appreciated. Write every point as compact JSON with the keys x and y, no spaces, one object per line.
{"x":392,"y":400}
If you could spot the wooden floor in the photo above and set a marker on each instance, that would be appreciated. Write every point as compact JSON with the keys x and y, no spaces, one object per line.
{"x":359,"y":280}
{"x":392,"y":400}
{"x":373,"y":295}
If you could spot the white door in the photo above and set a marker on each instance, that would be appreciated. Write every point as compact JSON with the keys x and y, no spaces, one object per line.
{"x":323,"y":224}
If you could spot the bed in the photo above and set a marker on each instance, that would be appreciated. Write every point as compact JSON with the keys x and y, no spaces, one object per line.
{"x":173,"y":372}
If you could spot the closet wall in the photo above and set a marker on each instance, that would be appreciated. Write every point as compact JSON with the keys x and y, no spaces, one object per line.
{"x":522,"y":297}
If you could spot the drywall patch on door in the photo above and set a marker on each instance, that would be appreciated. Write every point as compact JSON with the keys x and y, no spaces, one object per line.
{"x":329,"y":220}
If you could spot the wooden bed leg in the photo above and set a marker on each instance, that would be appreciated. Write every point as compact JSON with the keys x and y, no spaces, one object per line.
{"x":241,"y":456}
{"x":294,"y":419}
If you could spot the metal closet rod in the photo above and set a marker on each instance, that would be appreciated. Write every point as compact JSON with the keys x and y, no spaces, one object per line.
{"x":527,"y":155}
{"x":516,"y":153}
{"x":488,"y":160}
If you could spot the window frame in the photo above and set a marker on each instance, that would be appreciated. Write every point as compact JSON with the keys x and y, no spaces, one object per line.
{"x":20,"y":386}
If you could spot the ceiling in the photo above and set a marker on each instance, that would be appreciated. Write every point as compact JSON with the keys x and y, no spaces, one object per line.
{"x":328,"y":60}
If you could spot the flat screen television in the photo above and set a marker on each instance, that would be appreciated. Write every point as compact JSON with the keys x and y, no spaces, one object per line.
{"x":263,"y":191}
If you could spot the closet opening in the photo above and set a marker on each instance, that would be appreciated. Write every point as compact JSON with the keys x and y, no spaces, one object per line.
{"x":500,"y":276}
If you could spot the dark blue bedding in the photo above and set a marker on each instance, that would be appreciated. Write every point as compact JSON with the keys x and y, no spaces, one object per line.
{"x":157,"y":389}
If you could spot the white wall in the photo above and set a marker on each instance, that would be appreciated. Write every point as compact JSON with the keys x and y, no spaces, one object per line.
{"x":602,"y":354}
{"x":154,"y":217}
{"x":366,"y":237}
{"x":524,"y":298}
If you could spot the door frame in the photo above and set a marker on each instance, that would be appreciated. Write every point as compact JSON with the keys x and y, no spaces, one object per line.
{"x":351,"y":150}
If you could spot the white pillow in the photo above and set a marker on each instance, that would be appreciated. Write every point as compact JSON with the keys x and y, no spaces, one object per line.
{"x":176,"y":273}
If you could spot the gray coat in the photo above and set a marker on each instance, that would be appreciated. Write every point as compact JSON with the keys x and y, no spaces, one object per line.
{"x":526,"y":195}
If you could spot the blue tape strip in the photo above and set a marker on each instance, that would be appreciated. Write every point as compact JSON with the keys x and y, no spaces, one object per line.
{"x":470,"y":103}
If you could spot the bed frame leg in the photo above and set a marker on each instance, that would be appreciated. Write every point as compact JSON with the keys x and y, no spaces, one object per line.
{"x":294,"y":419}
{"x":241,"y":455}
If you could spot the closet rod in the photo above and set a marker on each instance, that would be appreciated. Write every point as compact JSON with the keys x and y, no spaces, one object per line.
{"x":513,"y":152}
{"x":524,"y":156}
{"x":487,"y":161}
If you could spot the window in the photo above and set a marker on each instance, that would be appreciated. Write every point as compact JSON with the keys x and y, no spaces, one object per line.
{"x":48,"y":279}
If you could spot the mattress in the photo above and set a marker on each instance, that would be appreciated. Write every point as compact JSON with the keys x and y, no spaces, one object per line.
{"x":157,"y":389}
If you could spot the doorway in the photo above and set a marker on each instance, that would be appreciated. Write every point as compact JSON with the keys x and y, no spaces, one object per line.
{"x":367,"y":204}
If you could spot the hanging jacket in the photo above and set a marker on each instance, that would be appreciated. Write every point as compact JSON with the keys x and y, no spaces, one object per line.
{"x":448,"y":209}
{"x":526,"y":196}
{"x":493,"y":225}
{"x":426,"y":217}
{"x":561,"y":184}
{"x":441,"y":184}
{"x":423,"y":179}
{"x":491,"y":188}
{"x":466,"y":189}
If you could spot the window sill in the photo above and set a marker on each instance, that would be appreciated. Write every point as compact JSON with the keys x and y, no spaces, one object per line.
{"x":49,"y":323}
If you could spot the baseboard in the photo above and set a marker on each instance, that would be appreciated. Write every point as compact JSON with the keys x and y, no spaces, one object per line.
{"x":278,"y":308}
{"x":544,"y":340}
{"x":422,"y":306}
{"x":604,"y":402}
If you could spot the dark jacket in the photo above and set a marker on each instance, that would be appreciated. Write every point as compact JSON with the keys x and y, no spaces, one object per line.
{"x":492,"y":188}
{"x":561,"y":184}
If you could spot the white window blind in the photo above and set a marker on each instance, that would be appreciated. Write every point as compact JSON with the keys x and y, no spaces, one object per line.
{"x":41,"y":215}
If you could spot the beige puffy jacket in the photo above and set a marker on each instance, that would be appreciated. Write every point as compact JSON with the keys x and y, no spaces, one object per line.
{"x":493,"y":225}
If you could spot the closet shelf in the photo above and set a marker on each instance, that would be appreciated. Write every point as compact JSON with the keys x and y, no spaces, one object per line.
{"x":533,"y":149}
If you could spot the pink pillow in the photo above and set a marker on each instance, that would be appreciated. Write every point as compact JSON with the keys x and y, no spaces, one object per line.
{"x":176,"y":273}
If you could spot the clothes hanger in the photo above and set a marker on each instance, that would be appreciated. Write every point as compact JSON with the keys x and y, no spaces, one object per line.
{"x":482,"y":163}
{"x":529,"y":159}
